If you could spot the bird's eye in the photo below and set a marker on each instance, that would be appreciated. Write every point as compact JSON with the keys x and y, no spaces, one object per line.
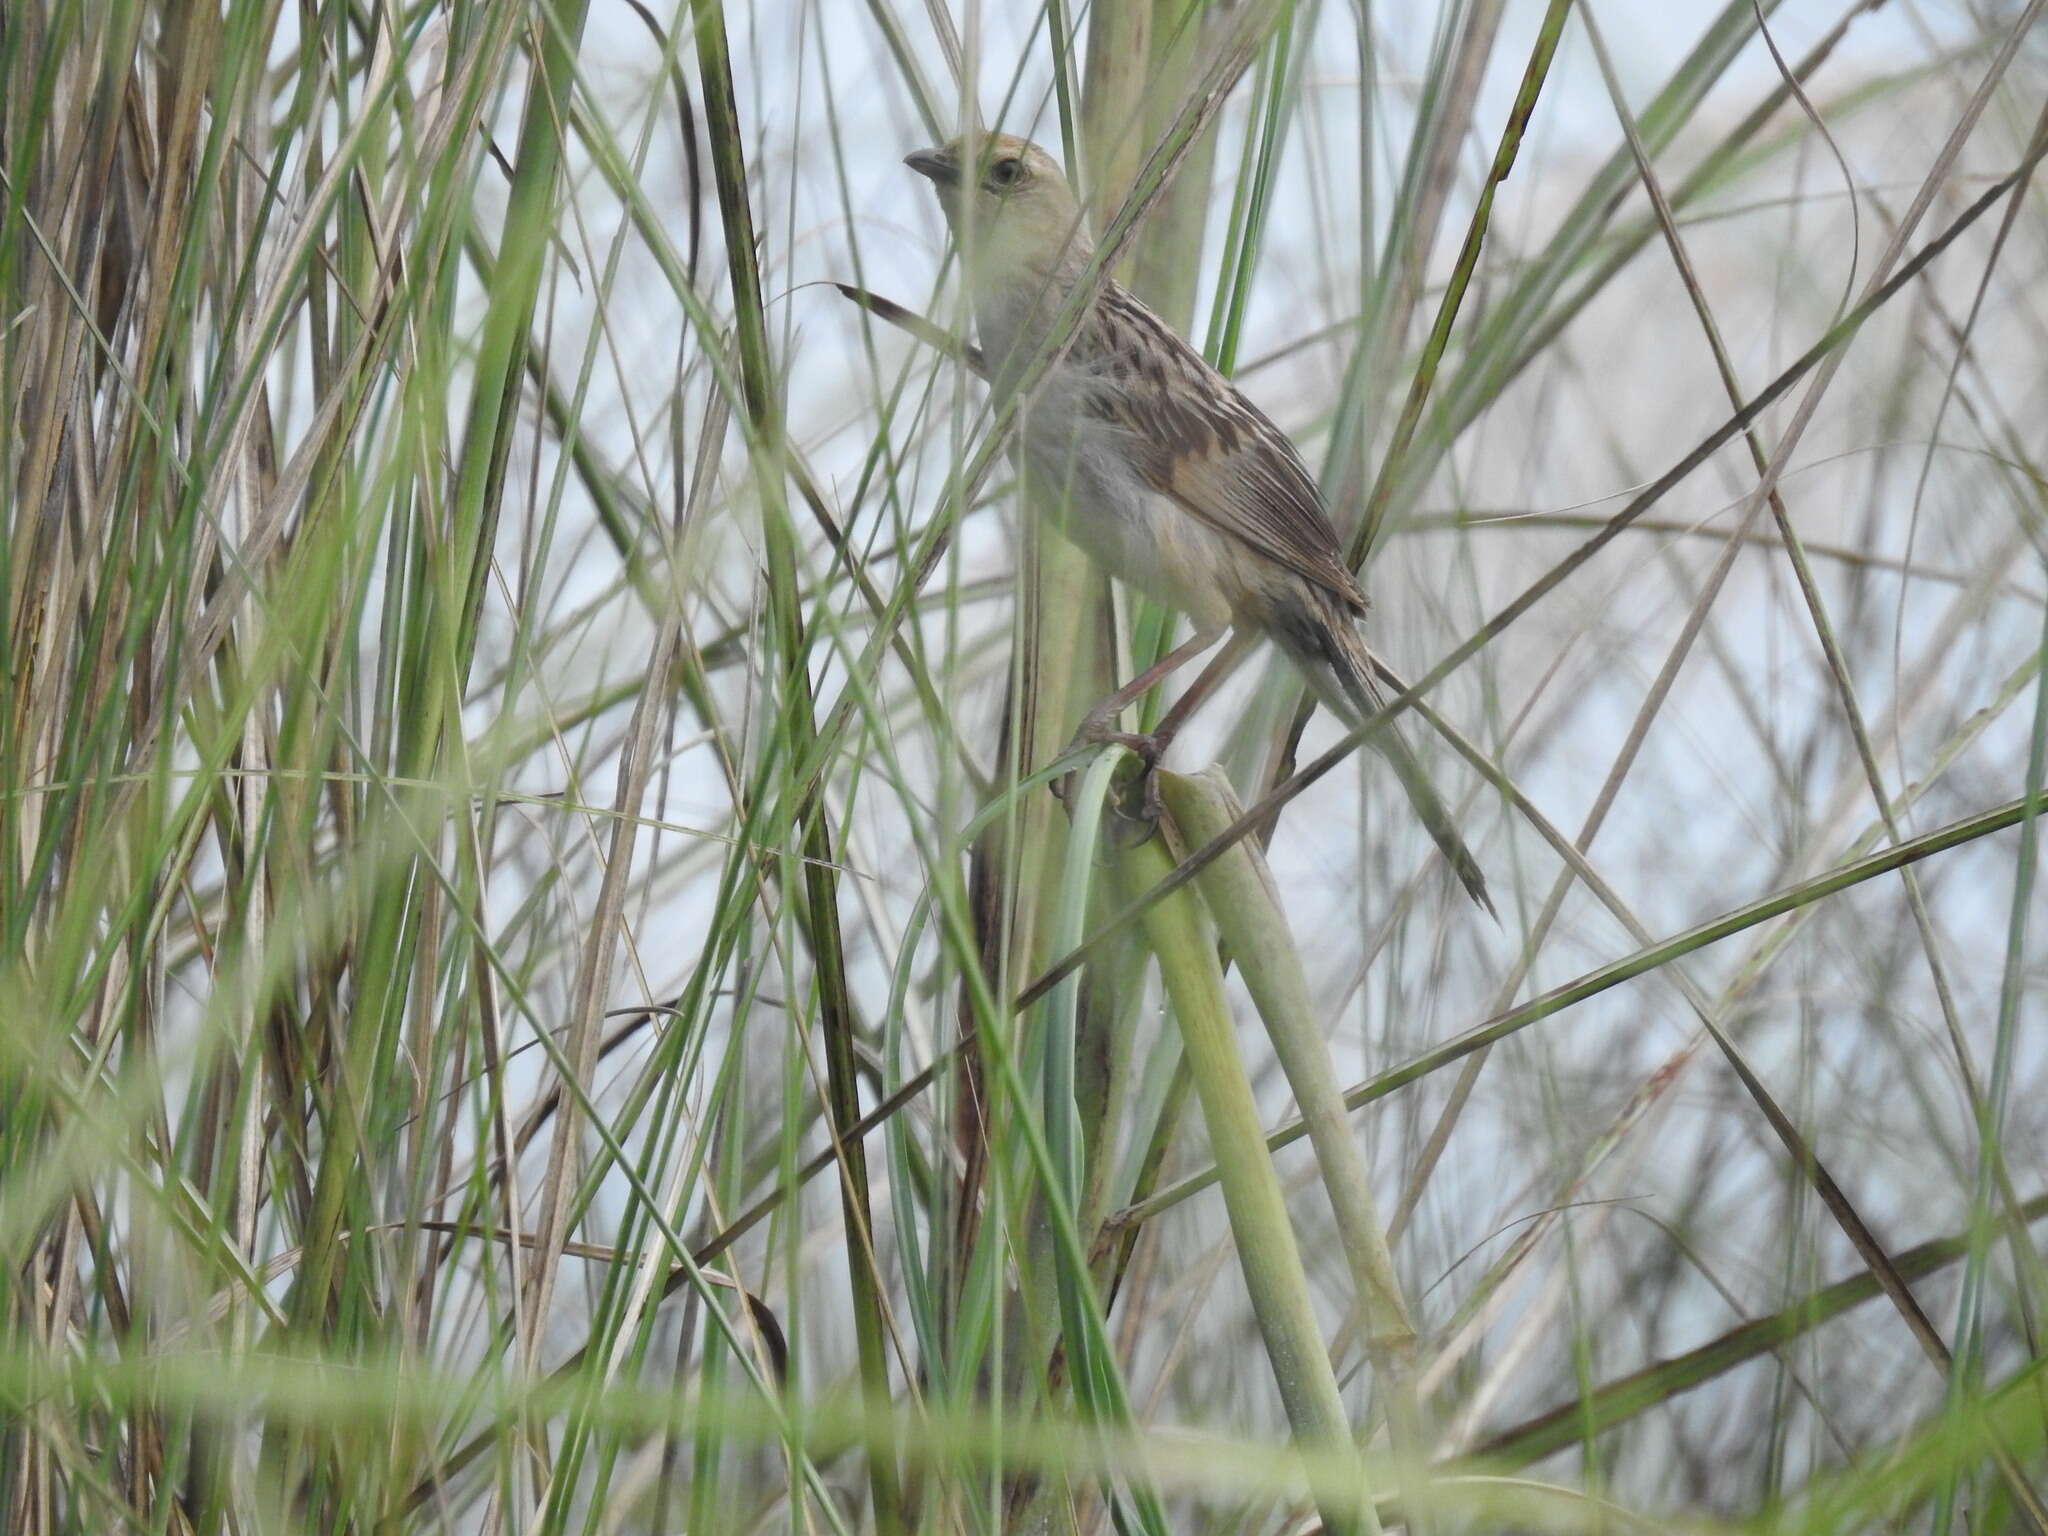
{"x":1006,"y":172}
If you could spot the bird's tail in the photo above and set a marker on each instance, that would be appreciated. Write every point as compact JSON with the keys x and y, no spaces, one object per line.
{"x":1333,"y":658}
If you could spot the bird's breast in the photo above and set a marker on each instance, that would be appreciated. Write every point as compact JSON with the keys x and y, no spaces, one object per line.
{"x":1081,"y":473}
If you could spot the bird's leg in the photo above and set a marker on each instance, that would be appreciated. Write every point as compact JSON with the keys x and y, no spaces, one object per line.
{"x":1099,"y":724}
{"x":1199,"y":690}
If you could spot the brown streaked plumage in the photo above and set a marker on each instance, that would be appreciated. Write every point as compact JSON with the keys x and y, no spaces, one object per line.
{"x":1153,"y":462}
{"x":1199,"y":441}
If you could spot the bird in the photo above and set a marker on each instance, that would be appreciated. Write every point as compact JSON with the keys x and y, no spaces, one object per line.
{"x":1160,"y":468}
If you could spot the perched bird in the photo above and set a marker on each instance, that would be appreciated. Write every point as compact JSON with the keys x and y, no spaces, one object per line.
{"x":1158,"y":466}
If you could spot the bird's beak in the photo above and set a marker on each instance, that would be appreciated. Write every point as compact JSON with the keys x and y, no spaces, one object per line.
{"x":933,"y":165}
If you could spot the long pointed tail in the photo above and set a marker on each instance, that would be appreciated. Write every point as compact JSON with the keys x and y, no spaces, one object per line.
{"x":1333,"y":659}
{"x":1435,"y":817}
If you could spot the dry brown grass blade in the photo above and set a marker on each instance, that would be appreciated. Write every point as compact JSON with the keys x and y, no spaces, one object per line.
{"x":1658,"y":1383}
{"x":937,"y":337}
{"x":1838,"y":670}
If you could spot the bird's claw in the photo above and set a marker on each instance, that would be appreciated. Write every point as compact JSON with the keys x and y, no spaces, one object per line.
{"x":1147,"y":749}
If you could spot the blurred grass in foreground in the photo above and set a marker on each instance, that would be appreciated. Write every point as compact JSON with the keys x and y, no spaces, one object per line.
{"x":524,"y":782}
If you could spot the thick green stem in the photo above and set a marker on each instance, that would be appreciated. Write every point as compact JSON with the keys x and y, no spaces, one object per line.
{"x":1266,"y":1250}
{"x":1241,"y":895}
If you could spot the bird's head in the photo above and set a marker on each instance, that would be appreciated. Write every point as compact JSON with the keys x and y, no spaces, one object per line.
{"x":1022,"y":213}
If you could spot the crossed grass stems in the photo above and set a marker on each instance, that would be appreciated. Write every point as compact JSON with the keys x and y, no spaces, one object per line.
{"x":751,"y":383}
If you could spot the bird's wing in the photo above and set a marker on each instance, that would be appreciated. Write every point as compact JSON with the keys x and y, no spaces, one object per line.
{"x":1198,"y":440}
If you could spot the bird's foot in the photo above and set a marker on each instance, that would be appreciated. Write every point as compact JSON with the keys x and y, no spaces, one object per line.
{"x":1099,"y":729}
